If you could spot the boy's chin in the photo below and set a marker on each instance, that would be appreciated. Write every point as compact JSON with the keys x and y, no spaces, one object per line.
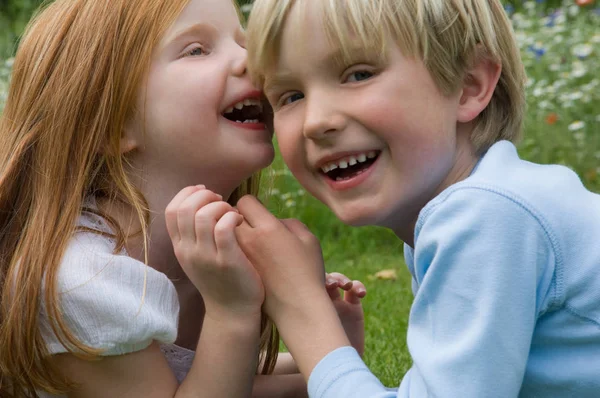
{"x":356,"y":219}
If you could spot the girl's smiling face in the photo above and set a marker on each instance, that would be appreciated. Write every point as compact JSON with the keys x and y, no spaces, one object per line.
{"x":199,"y":118}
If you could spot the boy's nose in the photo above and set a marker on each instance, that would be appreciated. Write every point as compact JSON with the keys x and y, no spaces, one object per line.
{"x":322,"y":119}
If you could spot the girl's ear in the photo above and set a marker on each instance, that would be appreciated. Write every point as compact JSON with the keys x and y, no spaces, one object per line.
{"x":128,"y":143}
{"x":478,"y":87}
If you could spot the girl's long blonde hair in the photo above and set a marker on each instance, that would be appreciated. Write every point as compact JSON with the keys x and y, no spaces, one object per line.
{"x":75,"y":81}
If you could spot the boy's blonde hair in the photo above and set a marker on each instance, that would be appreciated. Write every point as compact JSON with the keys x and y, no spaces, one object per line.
{"x":447,"y":35}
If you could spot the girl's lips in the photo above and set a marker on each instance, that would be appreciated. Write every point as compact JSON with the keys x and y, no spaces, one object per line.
{"x":249,"y":126}
{"x":353,"y":181}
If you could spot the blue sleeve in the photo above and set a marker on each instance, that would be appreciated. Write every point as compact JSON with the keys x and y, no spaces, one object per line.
{"x":484,"y":264}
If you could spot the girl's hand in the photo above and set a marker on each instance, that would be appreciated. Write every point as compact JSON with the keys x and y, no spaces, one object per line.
{"x":348,"y":307}
{"x":201,"y":226}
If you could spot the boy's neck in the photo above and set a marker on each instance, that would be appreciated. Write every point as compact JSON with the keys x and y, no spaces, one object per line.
{"x":464,"y":164}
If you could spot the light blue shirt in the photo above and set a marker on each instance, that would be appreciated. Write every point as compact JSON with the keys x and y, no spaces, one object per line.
{"x":506,"y":278}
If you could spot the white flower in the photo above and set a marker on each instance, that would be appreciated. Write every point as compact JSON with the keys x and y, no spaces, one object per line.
{"x":582,"y":50}
{"x":544,"y":104}
{"x":573,"y":10}
{"x":290,"y":203}
{"x":579,"y":69}
{"x":574,"y":96}
{"x":577,"y":125}
{"x":538,"y":92}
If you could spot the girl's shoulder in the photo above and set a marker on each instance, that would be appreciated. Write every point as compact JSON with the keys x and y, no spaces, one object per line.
{"x":110,"y":301}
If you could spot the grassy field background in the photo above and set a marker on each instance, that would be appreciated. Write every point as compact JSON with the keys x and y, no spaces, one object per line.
{"x":560,"y":42}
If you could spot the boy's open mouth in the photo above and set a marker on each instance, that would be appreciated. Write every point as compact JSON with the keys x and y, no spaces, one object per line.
{"x":248,"y":111}
{"x":350,"y":166}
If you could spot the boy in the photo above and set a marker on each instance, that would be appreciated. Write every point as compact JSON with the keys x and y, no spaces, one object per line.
{"x":403,"y":114}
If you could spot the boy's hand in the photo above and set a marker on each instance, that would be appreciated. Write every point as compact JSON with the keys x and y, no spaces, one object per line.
{"x":202,"y":228}
{"x":286,"y":255}
{"x":348,"y":307}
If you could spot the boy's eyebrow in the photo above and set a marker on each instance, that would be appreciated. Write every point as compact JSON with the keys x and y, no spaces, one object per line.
{"x":278,"y":80}
{"x":335,"y":59}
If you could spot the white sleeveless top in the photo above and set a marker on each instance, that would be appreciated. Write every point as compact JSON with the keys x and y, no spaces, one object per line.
{"x":114,"y":302}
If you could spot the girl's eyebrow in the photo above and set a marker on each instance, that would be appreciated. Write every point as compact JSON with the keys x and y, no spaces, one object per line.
{"x":188,"y":31}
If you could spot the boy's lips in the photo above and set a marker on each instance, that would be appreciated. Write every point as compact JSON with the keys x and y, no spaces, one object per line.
{"x":348,"y":170}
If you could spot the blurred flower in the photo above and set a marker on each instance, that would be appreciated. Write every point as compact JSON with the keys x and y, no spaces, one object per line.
{"x":246,"y":8}
{"x":551,"y":118}
{"x":583,"y":3}
{"x":537,"y":49}
{"x":579,"y":69}
{"x":582,"y":51}
{"x":577,"y":125}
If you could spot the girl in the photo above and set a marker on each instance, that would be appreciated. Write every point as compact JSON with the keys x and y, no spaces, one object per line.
{"x":115,"y":107}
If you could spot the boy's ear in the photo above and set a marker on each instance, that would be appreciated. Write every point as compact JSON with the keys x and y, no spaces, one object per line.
{"x":478,"y":87}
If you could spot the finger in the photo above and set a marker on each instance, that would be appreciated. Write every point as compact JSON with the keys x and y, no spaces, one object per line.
{"x":301,"y":231}
{"x":173,"y":206}
{"x":243,"y":232}
{"x":206,"y":219}
{"x":186,"y":212}
{"x":332,"y":287}
{"x":225,"y":238}
{"x":342,"y":280}
{"x":354,"y":295}
{"x":254,"y":212}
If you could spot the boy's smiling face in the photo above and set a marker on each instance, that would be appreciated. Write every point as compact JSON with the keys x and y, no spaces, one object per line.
{"x":374,"y":141}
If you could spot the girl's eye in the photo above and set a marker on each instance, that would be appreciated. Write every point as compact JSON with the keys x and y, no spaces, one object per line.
{"x":195,"y":51}
{"x":359,"y":76}
{"x":292,"y":98}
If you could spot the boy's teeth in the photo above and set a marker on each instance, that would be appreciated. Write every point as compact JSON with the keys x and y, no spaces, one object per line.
{"x":229,"y":110}
{"x":349,"y":161}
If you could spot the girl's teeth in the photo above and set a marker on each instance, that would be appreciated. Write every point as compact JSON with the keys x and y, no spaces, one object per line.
{"x":371,"y":155}
{"x":362,"y":158}
{"x":343,"y":164}
{"x":352,"y":161}
{"x":229,"y":110}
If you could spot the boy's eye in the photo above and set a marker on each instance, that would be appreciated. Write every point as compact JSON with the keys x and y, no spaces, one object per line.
{"x":359,"y":76}
{"x":291,"y":98}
